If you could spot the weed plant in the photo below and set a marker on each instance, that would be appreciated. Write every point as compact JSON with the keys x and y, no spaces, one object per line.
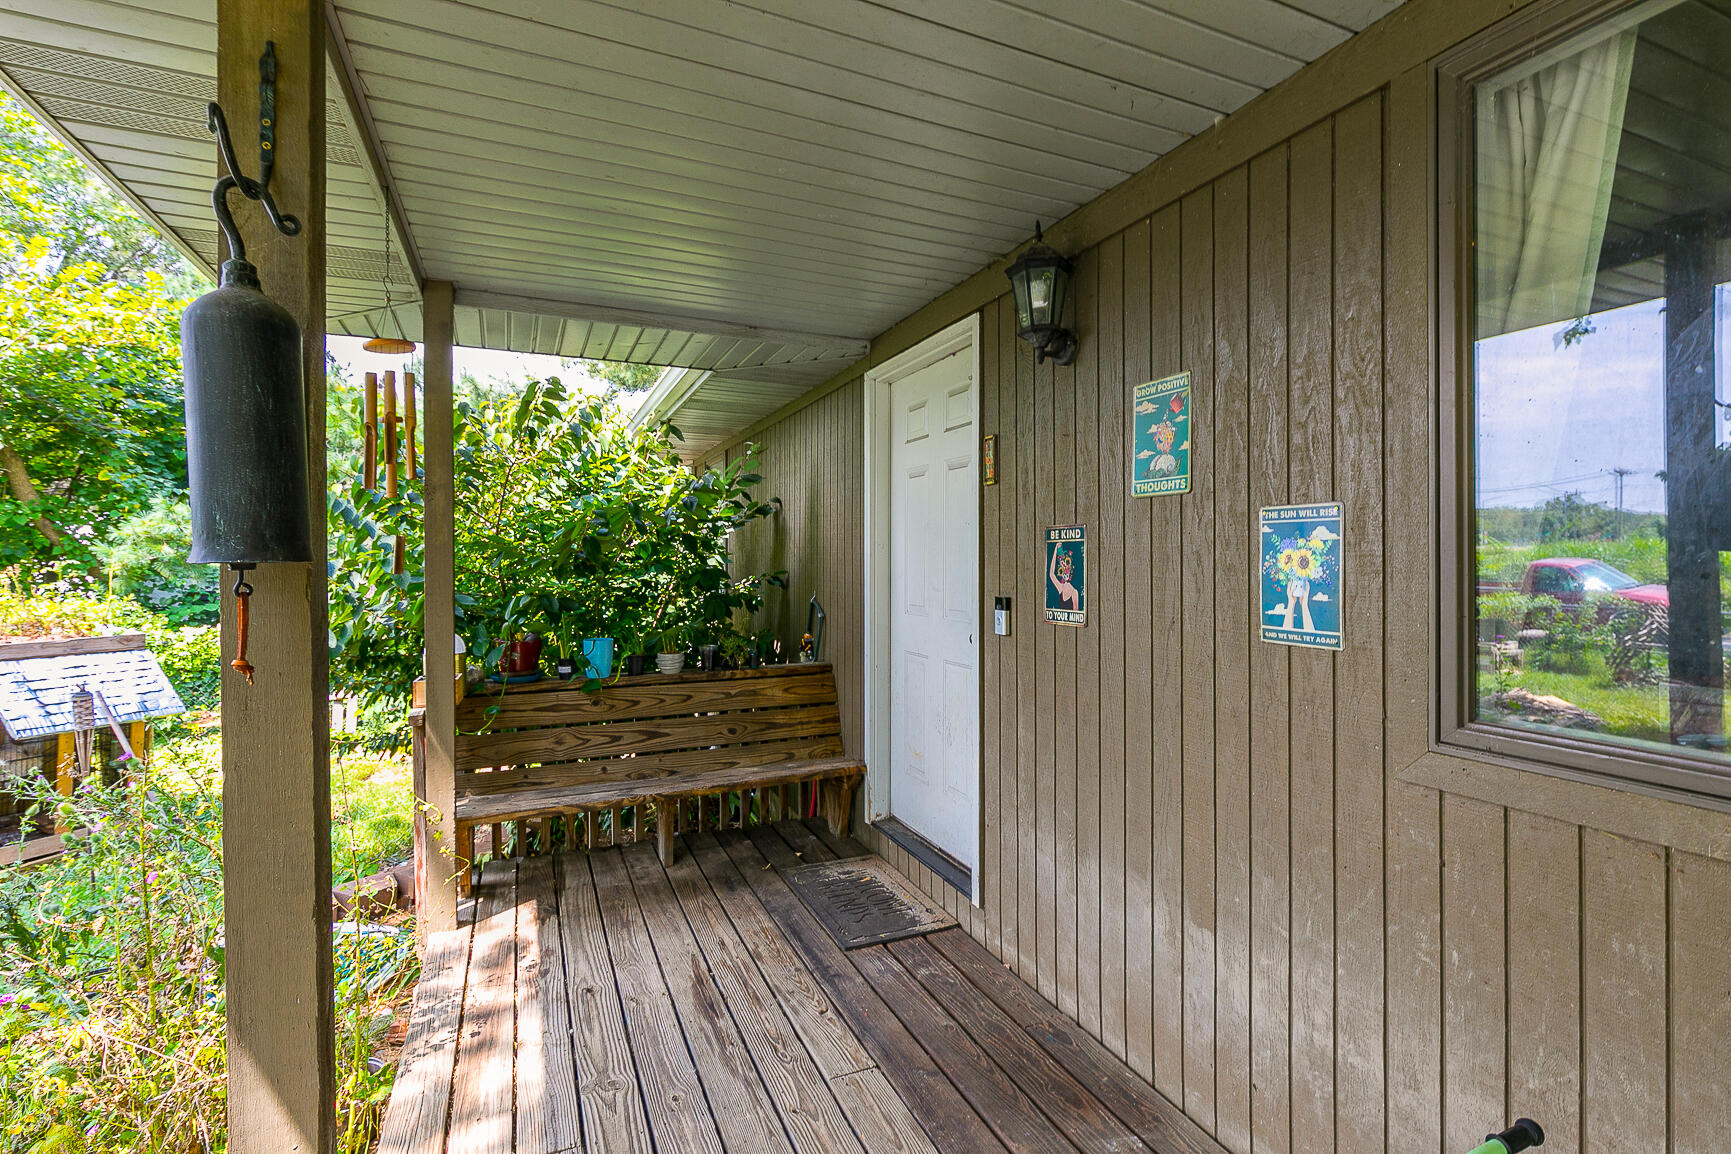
{"x":111,"y":975}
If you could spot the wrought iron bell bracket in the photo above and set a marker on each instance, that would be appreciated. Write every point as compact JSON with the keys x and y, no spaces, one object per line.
{"x":259,"y":189}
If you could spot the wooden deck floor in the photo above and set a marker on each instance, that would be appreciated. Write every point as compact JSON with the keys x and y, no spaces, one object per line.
{"x":601,"y":1003}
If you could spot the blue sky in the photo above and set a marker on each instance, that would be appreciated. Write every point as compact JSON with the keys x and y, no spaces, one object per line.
{"x":1555,"y":419}
{"x":485,"y":365}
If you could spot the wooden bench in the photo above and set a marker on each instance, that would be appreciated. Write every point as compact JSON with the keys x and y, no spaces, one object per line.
{"x":656,"y":745}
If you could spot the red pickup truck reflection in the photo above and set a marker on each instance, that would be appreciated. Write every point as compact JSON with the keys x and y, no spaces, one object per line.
{"x":1572,"y":580}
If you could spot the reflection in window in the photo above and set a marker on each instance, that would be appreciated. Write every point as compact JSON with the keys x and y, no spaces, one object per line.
{"x":1602,"y":248}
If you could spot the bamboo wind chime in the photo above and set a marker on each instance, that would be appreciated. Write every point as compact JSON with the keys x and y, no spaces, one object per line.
{"x":397,"y":433}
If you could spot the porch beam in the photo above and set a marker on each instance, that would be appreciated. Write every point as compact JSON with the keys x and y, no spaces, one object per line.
{"x":830,"y":346}
{"x":438,"y":899}
{"x":275,"y":733}
{"x":358,"y":119}
{"x":671,"y":390}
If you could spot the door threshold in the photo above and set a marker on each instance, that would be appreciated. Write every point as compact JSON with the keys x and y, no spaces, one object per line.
{"x":959,"y":876}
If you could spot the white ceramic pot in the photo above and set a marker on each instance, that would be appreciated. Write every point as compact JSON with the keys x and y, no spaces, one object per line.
{"x":670,"y":662}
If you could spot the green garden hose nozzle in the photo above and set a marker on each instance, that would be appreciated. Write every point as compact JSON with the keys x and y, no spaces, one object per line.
{"x":1523,"y":1134}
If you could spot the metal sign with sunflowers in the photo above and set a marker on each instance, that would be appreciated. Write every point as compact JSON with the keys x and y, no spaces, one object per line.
{"x":1160,"y":441}
{"x":1301,"y":575}
{"x":1066,"y":575}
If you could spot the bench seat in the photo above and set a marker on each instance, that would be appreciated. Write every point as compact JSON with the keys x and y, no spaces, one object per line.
{"x":654,"y":742}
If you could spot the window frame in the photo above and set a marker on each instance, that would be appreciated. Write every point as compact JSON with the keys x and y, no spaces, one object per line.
{"x":1697,"y":779}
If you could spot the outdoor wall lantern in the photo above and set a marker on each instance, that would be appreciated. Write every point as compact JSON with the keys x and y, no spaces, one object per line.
{"x":246,"y":445}
{"x":1040,"y":279}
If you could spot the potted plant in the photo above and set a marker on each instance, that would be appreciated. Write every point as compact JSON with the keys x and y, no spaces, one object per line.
{"x":638,"y":658}
{"x":671,"y":656}
{"x":598,"y":657}
{"x":522,"y":654}
{"x":735,"y":648}
{"x":562,"y":638}
{"x":564,"y":665}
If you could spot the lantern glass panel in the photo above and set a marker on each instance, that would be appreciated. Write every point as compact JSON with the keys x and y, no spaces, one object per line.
{"x":1060,"y":283}
{"x":1040,"y":295}
{"x":1019,"y":286}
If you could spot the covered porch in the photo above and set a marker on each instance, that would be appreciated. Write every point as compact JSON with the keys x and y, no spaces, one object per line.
{"x":602,"y":1001}
{"x":1219,"y":893}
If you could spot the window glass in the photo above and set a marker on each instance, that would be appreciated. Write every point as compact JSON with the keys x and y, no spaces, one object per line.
{"x":1602,"y":437}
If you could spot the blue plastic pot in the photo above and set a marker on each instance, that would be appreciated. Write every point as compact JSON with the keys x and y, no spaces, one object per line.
{"x":598,"y":655}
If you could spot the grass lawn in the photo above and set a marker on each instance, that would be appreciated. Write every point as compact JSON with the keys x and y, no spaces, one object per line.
{"x":1639,"y":711}
{"x":372,"y":800}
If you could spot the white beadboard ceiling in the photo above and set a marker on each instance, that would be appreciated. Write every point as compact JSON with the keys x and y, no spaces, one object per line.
{"x":754,"y":188}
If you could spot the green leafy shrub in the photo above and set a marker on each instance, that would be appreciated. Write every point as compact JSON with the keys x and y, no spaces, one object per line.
{"x":1572,"y":642}
{"x":569,"y":523}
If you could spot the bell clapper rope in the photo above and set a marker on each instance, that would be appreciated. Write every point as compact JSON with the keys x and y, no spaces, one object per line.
{"x":242,"y":591}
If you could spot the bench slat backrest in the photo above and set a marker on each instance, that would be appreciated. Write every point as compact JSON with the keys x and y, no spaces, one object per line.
{"x":552,"y":733}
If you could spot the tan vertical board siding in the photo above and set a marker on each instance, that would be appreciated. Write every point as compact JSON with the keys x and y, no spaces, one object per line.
{"x":1028,"y":629}
{"x":1113,"y":488}
{"x":1413,"y":813}
{"x":1270,"y":847}
{"x":1166,"y":601}
{"x":1088,"y":644}
{"x":1197,"y":621}
{"x":1700,"y":1105}
{"x":1213,"y":861}
{"x":1311,"y":478}
{"x":1545,"y":976}
{"x":1358,"y":456}
{"x":1140,"y":657}
{"x":1475,"y":1025}
{"x":1047,"y":708}
{"x":849,"y":613}
{"x":1066,"y":779}
{"x":1624,"y":887}
{"x":1232,"y":405}
{"x":1006,"y":686}
{"x":991,"y":646}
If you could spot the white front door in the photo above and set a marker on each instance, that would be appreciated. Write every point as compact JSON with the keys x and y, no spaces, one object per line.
{"x":934,"y":592}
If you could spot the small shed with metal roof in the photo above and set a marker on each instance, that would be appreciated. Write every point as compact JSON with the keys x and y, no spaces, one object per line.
{"x":40,"y":719}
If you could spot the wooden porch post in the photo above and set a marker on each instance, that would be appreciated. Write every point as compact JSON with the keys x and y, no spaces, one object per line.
{"x":276,"y":733}
{"x":438,"y":900}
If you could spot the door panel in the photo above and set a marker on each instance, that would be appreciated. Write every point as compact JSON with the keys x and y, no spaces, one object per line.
{"x":934,"y":605}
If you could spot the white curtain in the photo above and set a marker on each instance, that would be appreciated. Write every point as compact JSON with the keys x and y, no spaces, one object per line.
{"x":1547,"y":137}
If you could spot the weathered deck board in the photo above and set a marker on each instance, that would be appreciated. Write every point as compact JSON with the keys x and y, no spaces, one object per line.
{"x":1076,"y":1112}
{"x":737,"y":1097}
{"x":948,"y":1118}
{"x":603,"y":1002}
{"x":481,"y":1100}
{"x":613,"y":1115}
{"x":814,"y":1121}
{"x":827,"y":1038}
{"x":1153,"y":1118}
{"x":877,"y":1112}
{"x":671,"y":1089}
{"x":548,"y":1120}
{"x":430,"y":1050}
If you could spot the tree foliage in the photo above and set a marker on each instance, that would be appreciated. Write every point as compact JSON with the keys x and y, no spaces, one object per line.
{"x":47,"y":193}
{"x":90,"y":400}
{"x":622,"y":377}
{"x":90,"y":408}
